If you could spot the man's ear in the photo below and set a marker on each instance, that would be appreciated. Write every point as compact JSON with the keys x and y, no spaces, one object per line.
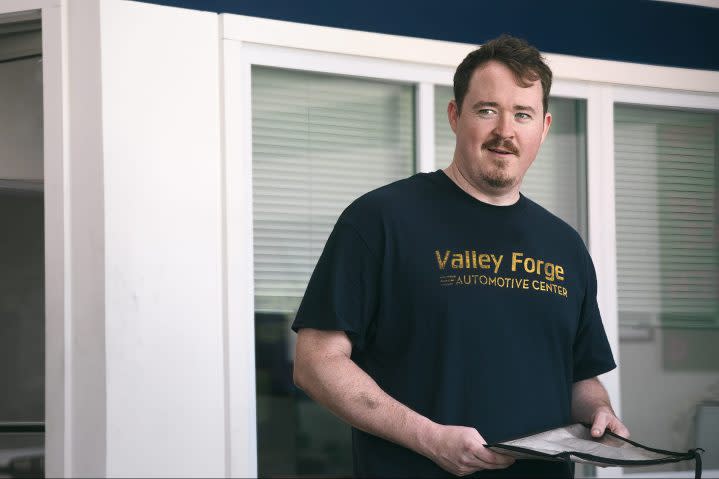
{"x":547,"y":124}
{"x":452,"y":114}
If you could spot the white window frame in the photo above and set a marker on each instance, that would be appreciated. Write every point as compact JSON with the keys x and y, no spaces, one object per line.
{"x":239,"y":59}
{"x":660,"y":98}
{"x":424,"y":63}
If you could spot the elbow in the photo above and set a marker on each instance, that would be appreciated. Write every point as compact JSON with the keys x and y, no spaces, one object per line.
{"x":299,"y":374}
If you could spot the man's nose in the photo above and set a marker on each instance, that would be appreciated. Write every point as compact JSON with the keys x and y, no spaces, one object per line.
{"x":505,"y":126}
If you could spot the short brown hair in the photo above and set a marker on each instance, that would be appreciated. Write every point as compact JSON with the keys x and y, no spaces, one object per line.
{"x":523,"y":59}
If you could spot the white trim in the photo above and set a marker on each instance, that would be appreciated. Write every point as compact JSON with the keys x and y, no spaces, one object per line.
{"x":342,"y":41}
{"x":572,"y":89}
{"x":665,"y":98}
{"x":240,"y":277}
{"x":226,"y":364}
{"x":568,"y":67}
{"x":424,"y":134}
{"x":58,"y":327}
{"x":342,"y":64}
{"x":450,"y":54}
{"x":602,"y":235}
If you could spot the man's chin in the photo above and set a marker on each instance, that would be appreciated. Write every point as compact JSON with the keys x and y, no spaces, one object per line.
{"x":499,"y":182}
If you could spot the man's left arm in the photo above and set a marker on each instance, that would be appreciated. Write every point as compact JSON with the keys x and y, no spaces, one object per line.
{"x":591,"y":405}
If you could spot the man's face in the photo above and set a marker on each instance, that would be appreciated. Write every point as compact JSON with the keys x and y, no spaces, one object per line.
{"x":499,"y":130}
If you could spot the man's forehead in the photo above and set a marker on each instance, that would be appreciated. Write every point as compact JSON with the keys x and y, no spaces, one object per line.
{"x":493,"y":77}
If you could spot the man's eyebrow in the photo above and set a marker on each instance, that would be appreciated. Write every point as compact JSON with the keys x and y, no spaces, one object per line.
{"x":485,"y":104}
{"x":493,"y":104}
{"x":524,"y":108}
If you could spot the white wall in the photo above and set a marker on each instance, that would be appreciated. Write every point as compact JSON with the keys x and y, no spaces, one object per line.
{"x":163,"y":244}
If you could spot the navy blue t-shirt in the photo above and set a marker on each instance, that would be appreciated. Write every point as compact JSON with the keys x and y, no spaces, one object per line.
{"x":470,"y":314}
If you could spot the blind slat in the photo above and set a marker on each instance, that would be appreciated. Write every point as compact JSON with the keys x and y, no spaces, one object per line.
{"x":319,"y":141}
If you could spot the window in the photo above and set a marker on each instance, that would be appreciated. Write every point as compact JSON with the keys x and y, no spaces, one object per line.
{"x":319,"y":141}
{"x":22,"y":267}
{"x":668,"y":288}
{"x":557,"y":178}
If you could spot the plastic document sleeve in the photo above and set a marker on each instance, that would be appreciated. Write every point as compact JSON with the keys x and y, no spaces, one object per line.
{"x":574,"y":443}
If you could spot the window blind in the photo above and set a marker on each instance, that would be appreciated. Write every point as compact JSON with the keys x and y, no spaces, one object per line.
{"x":557,"y":178}
{"x":318,"y":142}
{"x":443,"y":134}
{"x":666,"y":210}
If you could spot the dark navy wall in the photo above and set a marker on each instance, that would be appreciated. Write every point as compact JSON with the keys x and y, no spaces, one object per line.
{"x":640,"y":31}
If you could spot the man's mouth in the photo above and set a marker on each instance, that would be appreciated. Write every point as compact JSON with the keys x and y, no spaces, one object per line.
{"x":500,"y":151}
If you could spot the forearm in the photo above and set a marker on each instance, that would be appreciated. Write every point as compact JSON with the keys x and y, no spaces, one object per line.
{"x":325,"y":371}
{"x":336,"y":382}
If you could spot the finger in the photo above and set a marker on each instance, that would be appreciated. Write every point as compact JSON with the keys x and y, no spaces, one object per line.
{"x":502,"y":459}
{"x":494,"y":459}
{"x":488,"y":465}
{"x":618,"y":428}
{"x":600,"y":424}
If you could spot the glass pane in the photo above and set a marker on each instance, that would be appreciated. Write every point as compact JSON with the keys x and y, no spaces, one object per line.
{"x":22,"y":341}
{"x":319,"y":141}
{"x":557,"y":178}
{"x":668,"y":287}
{"x":22,"y":454}
{"x":22,"y":293}
{"x":443,"y":134}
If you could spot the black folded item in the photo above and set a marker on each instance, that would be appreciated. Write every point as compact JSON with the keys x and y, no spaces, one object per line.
{"x":575,"y":443}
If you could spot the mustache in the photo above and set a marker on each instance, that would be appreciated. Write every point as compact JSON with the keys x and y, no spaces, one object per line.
{"x":501,"y":144}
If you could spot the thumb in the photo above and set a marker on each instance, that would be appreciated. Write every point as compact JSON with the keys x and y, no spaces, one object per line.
{"x":600,"y":425}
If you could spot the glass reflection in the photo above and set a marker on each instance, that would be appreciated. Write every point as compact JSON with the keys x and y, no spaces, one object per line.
{"x":295,"y":435}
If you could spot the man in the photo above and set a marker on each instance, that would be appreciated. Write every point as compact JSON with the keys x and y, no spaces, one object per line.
{"x":448,"y":310}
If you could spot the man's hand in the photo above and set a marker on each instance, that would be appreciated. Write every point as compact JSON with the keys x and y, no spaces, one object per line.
{"x":590,"y":404}
{"x":604,"y":418}
{"x":460,"y":450}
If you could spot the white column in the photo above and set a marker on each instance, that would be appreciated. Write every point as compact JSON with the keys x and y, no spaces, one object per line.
{"x":135,"y":282}
{"x":85,"y":334}
{"x":164,"y":304}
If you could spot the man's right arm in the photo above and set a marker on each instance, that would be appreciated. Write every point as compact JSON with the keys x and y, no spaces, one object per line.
{"x":324,"y":370}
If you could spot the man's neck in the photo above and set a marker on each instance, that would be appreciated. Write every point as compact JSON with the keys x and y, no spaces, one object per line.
{"x":484,"y":194}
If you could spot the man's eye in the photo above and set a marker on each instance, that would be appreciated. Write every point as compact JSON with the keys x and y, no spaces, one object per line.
{"x":485,"y":112}
{"x":523,"y":116}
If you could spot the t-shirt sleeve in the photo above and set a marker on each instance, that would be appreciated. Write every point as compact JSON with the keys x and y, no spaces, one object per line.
{"x":342,"y":292}
{"x":592,"y":353}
